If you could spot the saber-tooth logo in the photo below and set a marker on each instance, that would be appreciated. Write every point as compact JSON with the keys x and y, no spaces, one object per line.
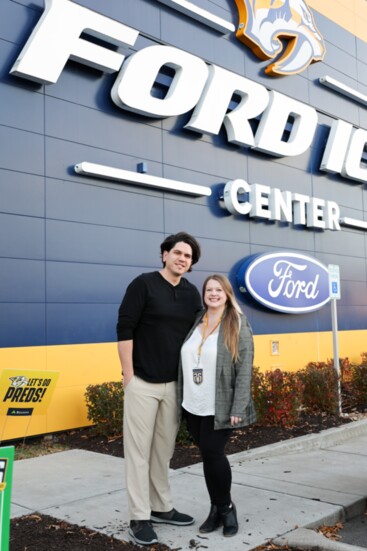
{"x":282,"y":29}
{"x":19,"y":380}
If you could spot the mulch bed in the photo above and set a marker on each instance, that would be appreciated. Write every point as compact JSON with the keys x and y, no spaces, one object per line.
{"x":42,"y":533}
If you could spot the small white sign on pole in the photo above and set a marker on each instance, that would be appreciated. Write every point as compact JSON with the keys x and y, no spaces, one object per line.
{"x":334,"y":290}
{"x":334,"y":281}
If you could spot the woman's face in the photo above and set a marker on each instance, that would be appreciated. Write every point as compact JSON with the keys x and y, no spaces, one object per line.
{"x":214,"y":295}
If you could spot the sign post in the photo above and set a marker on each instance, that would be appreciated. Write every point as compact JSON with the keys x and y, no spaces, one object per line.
{"x":334,"y":289}
{"x":6,"y":475}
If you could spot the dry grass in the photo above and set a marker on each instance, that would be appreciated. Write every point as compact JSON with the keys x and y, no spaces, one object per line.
{"x":36,"y":449}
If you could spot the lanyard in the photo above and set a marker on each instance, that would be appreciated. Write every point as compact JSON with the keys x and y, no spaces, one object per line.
{"x":205,"y":336}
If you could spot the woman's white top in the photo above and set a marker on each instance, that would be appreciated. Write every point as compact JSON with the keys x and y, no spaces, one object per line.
{"x":199,"y":399}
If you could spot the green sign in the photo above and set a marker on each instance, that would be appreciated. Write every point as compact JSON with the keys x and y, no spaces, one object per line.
{"x":6,"y":476}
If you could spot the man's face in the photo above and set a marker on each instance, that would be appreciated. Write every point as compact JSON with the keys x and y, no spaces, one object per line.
{"x":179,"y":259}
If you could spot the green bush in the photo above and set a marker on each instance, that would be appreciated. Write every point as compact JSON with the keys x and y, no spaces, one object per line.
{"x":105,"y":407}
{"x":183,"y":436}
{"x":358,"y":381}
{"x":277,"y":396}
{"x":320,"y":392}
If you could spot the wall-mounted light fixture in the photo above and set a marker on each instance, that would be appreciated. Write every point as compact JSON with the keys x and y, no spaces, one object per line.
{"x":342,"y":88}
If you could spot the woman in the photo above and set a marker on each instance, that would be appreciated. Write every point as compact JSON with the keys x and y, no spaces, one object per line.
{"x":214,"y":389}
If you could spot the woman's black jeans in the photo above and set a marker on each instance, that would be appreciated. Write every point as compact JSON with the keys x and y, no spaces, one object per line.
{"x":211,"y":443}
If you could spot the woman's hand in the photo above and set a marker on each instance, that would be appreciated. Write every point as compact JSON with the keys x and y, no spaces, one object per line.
{"x":235,"y":420}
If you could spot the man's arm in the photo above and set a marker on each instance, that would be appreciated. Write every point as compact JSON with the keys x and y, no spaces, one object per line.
{"x":130,"y":311}
{"x":125,"y":350}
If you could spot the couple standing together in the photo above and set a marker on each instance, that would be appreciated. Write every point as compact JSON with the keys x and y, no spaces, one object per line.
{"x":180,"y":359}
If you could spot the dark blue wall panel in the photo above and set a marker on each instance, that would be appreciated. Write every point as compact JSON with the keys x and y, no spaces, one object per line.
{"x":22,"y":280}
{"x":22,"y":324}
{"x":22,"y":237}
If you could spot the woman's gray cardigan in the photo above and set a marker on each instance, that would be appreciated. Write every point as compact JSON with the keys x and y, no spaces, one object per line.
{"x":233,"y":379}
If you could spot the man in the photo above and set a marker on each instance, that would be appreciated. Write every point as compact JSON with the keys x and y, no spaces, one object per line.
{"x":155,"y":315}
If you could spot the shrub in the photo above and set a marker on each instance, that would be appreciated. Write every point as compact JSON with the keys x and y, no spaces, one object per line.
{"x":320,"y":392}
{"x":105,"y":407}
{"x":358,"y":382}
{"x":183,"y":435}
{"x":345,"y":369}
{"x":277,"y":396}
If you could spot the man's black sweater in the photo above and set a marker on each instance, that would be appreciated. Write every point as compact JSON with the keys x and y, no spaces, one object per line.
{"x":157,"y":316}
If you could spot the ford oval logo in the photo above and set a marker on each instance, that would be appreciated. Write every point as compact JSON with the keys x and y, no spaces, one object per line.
{"x":287,"y":282}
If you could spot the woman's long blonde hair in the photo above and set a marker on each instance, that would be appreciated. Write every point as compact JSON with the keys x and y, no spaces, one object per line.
{"x":231,"y":314}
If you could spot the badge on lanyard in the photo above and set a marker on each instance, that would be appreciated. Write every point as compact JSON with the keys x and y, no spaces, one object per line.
{"x":197,"y":372}
{"x":197,"y":375}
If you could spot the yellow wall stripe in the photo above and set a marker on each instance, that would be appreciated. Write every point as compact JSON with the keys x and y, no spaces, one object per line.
{"x":349,"y":14}
{"x":84,"y":364}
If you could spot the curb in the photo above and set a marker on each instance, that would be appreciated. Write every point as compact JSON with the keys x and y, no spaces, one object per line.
{"x":313,"y":541}
{"x":323,"y":439}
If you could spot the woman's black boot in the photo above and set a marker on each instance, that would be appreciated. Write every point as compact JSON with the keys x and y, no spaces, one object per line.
{"x":212,"y":522}
{"x":228,"y":515}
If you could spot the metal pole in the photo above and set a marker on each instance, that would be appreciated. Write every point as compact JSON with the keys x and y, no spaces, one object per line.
{"x":334,"y":324}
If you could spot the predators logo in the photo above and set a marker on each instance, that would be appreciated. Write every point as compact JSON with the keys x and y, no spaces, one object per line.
{"x":18,"y":381}
{"x":282,"y":29}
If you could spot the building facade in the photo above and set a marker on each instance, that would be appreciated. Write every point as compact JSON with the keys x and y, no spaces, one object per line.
{"x":243,"y":123}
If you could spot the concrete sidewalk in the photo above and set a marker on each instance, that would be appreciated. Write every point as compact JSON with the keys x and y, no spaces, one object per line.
{"x":305,"y":482}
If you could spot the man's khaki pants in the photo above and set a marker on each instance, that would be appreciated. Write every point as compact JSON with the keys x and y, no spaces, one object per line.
{"x":150,"y":430}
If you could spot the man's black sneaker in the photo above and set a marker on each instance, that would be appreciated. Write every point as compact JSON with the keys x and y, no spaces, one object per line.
{"x":142,"y":532}
{"x":171,"y":517}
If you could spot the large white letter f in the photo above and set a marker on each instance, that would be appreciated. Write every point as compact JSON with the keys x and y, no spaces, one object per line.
{"x":56,"y":38}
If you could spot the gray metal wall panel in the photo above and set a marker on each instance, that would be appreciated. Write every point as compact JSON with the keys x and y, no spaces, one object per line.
{"x":297,"y":85}
{"x":71,"y":122}
{"x":94,"y":204}
{"x":21,"y":151}
{"x":22,"y":237}
{"x":22,"y":324}
{"x":142,"y":15}
{"x":73,"y":242}
{"x":335,"y":34}
{"x":24,"y":109}
{"x":351,"y":243}
{"x":278,"y":235}
{"x":88,"y":283}
{"x":283,"y":323}
{"x":202,"y":221}
{"x":81,"y":323}
{"x":362,"y":71}
{"x":340,"y":59}
{"x":354,"y":293}
{"x":63,"y":155}
{"x":361,"y":50}
{"x":185,"y":33}
{"x":346,"y":194}
{"x":21,"y":193}
{"x":15,"y":18}
{"x":355,"y":270}
{"x":279,"y":175}
{"x":328,"y":101}
{"x":22,"y":280}
{"x":224,"y":164}
{"x":219,"y":255}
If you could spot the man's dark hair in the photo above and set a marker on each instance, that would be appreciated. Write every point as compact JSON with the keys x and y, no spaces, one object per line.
{"x":183,"y":237}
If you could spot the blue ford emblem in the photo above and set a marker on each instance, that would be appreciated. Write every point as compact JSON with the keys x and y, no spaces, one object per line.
{"x":287,"y":282}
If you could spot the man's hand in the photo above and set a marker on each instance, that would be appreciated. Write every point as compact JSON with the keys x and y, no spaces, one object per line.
{"x":125,"y":349}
